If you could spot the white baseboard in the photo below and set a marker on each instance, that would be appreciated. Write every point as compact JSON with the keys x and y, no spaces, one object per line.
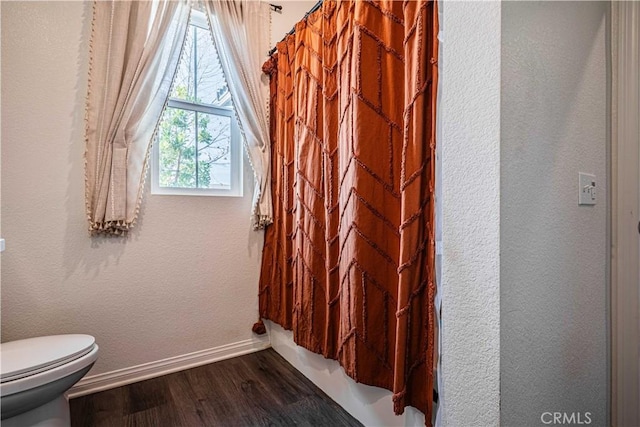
{"x":113,"y":379}
{"x":372,"y":406}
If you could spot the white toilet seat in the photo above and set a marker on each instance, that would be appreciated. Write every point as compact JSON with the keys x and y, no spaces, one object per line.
{"x":41,"y":368}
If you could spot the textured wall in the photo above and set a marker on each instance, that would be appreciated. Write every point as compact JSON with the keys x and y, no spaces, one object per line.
{"x":186,"y":278}
{"x":553,"y":265}
{"x":469,"y":114}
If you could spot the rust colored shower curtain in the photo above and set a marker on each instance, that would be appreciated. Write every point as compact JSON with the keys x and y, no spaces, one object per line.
{"x":348,"y":263}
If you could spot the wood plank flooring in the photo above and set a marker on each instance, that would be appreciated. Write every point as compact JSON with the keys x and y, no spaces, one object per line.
{"x":257,"y":389}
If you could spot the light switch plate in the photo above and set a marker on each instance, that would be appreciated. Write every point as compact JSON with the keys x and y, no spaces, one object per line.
{"x":586,"y":189}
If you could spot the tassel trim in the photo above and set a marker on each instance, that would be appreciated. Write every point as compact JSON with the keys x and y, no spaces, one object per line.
{"x":111,"y":228}
{"x":261,"y":221}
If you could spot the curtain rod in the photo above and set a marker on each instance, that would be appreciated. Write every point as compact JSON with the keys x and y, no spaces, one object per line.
{"x":276,"y":7}
{"x":293,"y":30}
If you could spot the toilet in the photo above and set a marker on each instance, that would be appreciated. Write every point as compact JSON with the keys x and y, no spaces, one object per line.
{"x":35,"y":374}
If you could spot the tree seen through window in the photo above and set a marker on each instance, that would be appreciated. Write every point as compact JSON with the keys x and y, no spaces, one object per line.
{"x":196,"y":131}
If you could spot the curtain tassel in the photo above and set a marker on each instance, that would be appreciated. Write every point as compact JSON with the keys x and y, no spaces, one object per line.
{"x":398,"y":402}
{"x":259,"y":328}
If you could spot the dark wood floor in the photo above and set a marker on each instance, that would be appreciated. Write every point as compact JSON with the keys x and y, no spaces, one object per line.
{"x":258,"y":389}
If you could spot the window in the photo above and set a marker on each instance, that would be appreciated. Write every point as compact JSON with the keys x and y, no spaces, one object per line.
{"x":197,"y":150}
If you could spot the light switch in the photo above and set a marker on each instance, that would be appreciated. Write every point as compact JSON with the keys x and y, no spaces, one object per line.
{"x":586,"y":189}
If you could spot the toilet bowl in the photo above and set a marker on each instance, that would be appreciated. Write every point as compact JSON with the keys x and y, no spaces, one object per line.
{"x":35,"y":373}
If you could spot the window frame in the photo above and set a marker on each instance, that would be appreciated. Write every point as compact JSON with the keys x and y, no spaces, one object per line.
{"x":236,"y":163}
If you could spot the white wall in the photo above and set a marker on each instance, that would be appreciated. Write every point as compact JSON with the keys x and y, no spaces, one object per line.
{"x":469,"y":139}
{"x":282,"y":22}
{"x":553,"y":264}
{"x":187,"y":277}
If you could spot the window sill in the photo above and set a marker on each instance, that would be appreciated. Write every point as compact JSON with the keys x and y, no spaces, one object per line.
{"x":169,"y":191}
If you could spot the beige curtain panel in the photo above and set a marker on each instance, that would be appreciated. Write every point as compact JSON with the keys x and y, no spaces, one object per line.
{"x":241,"y":33}
{"x":134,"y":51}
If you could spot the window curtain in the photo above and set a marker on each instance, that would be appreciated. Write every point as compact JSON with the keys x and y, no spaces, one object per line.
{"x":348,"y":264}
{"x":134,"y":51}
{"x":241,"y":34}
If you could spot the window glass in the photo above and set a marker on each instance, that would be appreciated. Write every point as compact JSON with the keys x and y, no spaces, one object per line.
{"x":197,"y":146}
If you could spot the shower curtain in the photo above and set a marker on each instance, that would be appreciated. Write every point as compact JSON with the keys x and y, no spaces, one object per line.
{"x":348,"y":263}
